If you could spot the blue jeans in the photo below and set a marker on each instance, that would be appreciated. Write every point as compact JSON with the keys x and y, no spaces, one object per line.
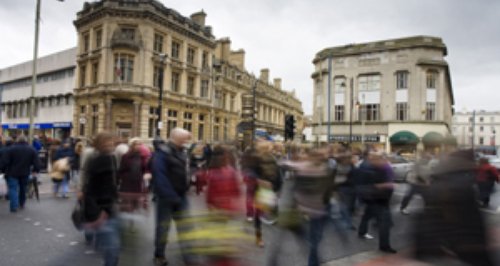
{"x":64,"y":184}
{"x":315,"y":234}
{"x":108,"y":241}
{"x":166,"y":210}
{"x":17,"y":192}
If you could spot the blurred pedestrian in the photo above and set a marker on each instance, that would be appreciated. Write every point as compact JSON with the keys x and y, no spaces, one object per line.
{"x":486,"y":177}
{"x":133,"y":168}
{"x":170,"y":178}
{"x":18,"y":162}
{"x":64,"y":156}
{"x":100,"y":196}
{"x":75,"y":164}
{"x":418,"y":180}
{"x":451,"y":221}
{"x":375,"y":187}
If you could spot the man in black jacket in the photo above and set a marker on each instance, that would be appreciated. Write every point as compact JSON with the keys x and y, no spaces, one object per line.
{"x":170,"y":182}
{"x":18,"y":162}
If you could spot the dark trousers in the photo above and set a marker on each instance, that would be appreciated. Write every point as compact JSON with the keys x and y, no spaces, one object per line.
{"x":485,"y":189}
{"x":315,"y":234}
{"x":413,"y":190}
{"x":382,"y":214}
{"x":166,"y":210}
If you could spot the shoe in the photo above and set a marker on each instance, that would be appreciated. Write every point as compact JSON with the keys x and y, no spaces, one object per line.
{"x":367,"y":237}
{"x":388,"y":250}
{"x":158,"y":261}
{"x":405,"y":211}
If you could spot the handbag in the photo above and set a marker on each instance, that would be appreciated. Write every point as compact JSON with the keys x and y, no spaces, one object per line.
{"x":3,"y":186}
{"x":78,"y":215}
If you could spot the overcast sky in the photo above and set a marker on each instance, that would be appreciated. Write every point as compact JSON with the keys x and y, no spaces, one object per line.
{"x":284,"y":35}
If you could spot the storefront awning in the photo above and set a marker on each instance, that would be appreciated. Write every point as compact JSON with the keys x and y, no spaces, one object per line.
{"x":403,"y":138}
{"x":432,"y":139}
{"x":38,"y":125}
{"x":450,"y":140}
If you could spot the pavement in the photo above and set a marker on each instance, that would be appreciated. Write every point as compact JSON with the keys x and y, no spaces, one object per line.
{"x":43,"y":234}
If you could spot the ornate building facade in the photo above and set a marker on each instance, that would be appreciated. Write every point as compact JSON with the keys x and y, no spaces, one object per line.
{"x":127,"y":50}
{"x":396,"y":94}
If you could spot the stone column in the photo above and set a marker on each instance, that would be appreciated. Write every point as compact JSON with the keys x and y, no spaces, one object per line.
{"x":109,"y":114}
{"x":136,"y":119}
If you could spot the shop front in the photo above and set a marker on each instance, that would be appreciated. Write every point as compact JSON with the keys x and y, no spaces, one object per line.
{"x":56,"y":130}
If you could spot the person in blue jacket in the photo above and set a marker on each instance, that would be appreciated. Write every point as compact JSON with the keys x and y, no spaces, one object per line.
{"x":18,"y":162}
{"x":170,"y":185}
{"x":64,"y":152}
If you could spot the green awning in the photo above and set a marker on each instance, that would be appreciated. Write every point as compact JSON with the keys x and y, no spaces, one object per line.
{"x":450,"y":141}
{"x":432,"y":139}
{"x":403,"y":138}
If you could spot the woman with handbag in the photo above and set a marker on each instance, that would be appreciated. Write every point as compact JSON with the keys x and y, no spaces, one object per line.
{"x":99,"y":197}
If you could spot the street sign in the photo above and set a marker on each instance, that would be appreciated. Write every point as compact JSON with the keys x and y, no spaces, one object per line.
{"x":83,"y":120}
{"x":160,"y":124}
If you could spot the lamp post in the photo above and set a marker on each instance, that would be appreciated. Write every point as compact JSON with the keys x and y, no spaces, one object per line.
{"x":254,"y":113}
{"x":34,"y":65}
{"x":363,"y":114}
{"x":159,"y":123}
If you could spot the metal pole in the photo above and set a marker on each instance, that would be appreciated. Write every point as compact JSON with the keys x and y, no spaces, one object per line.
{"x":33,"y":78}
{"x":159,"y":111}
{"x":350,"y":111}
{"x":329,"y":97}
{"x":254,"y":113}
{"x":363,"y":114}
{"x":473,"y":128}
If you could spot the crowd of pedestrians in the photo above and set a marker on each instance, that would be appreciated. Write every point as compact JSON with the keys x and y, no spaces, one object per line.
{"x":298,"y":189}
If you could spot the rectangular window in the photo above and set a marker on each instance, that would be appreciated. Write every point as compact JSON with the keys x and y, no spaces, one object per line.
{"x":190,"y":86}
{"x":191,"y":53}
{"x":188,"y":116}
{"x":176,"y":49}
{"x":232,"y":103}
{"x":431,"y":79}
{"x":82,"y":75}
{"x":188,"y":126}
{"x":481,"y":129}
{"x":481,"y":119}
{"x":157,"y":75}
{"x":402,"y":111}
{"x":98,"y":38}
{"x":172,"y":113}
{"x":175,"y":82}
{"x":124,"y":67}
{"x":481,"y":141}
{"x":430,"y":111}
{"x":401,"y":80}
{"x":86,"y":42}
{"x":369,"y":112}
{"x":339,"y":84}
{"x":204,"y":89}
{"x":95,"y":118}
{"x":339,"y":113}
{"x":158,"y":43}
{"x":95,"y":73}
{"x":201,"y":118}
{"x":369,"y":83}
{"x":171,"y":124}
{"x":151,"y":127}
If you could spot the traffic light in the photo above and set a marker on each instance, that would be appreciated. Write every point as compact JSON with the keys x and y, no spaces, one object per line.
{"x":289,"y":127}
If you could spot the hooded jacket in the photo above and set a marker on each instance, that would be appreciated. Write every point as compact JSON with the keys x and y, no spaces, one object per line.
{"x":169,"y":170}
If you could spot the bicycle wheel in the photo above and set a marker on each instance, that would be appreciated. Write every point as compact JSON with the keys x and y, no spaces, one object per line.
{"x":30,"y":189}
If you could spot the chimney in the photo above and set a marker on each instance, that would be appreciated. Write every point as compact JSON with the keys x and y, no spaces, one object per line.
{"x":223,"y":49}
{"x":237,"y":58}
{"x":277,"y":83}
{"x":264,"y":75}
{"x":199,"y":18}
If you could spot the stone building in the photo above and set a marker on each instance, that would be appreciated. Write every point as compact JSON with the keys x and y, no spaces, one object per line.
{"x":396,"y":94}
{"x":477,"y":128}
{"x":127,"y":50}
{"x":53,"y":96}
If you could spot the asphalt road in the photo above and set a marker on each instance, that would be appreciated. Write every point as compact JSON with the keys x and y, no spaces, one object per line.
{"x":43,"y":235}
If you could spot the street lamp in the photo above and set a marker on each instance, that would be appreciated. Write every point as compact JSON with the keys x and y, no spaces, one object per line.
{"x":33,"y":77}
{"x":159,"y":123}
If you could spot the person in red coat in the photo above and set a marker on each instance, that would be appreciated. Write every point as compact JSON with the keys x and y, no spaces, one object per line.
{"x":223,"y":188}
{"x":486,"y":177}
